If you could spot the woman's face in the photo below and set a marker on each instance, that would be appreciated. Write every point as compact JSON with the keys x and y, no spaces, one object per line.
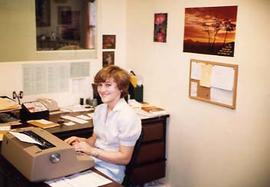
{"x":109,"y":92}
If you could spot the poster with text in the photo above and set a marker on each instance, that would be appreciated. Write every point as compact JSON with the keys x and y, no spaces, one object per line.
{"x":210,"y":30}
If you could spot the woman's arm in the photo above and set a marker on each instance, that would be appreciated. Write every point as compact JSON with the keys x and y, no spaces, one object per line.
{"x":122,"y":156}
{"x":92,"y":140}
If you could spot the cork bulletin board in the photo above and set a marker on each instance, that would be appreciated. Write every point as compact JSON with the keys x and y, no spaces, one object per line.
{"x":213,"y":82}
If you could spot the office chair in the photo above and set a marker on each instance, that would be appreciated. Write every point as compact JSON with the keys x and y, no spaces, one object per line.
{"x":127,"y":182}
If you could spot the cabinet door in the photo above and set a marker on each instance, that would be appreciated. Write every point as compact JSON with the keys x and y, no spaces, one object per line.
{"x":148,"y":172}
{"x":151,"y":152}
{"x":153,"y":131}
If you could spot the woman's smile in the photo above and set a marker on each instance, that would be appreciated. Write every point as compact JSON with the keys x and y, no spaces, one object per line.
{"x":109,"y":92}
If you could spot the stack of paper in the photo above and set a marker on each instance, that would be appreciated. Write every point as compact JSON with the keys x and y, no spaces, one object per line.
{"x":3,"y":130}
{"x":8,"y":105}
{"x":85,"y":179}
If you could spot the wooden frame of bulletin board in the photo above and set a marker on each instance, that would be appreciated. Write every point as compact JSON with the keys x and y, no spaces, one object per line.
{"x":213,"y":82}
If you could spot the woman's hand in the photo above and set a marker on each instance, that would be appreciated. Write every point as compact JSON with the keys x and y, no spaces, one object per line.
{"x":74,"y":140}
{"x":84,"y":147}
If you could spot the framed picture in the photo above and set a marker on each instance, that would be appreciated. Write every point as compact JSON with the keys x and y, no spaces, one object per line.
{"x":64,"y":15}
{"x":108,"y":41}
{"x":160,"y":27}
{"x":43,"y":16}
{"x":210,"y":30}
{"x":107,"y":58}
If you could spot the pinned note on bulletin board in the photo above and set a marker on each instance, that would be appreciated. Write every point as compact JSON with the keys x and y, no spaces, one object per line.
{"x":213,"y":82}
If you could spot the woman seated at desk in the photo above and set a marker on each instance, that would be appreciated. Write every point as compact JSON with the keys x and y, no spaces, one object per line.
{"x":116,"y":126}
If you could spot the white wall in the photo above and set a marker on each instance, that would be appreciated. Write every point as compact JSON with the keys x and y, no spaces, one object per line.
{"x":208,"y":145}
{"x":111,"y":20}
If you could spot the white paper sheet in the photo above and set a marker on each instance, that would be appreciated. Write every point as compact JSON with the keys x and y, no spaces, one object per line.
{"x":24,"y":138}
{"x":222,"y":96}
{"x":70,"y":123}
{"x":76,"y":108}
{"x":79,"y":69}
{"x":195,"y":70}
{"x":194,"y":89}
{"x":45,"y":78}
{"x":5,"y":128}
{"x":222,"y":77}
{"x":85,"y":179}
{"x":206,"y":73}
{"x":71,"y":118}
{"x":84,"y":117}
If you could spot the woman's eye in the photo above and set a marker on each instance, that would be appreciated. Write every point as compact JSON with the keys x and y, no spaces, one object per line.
{"x":107,"y":85}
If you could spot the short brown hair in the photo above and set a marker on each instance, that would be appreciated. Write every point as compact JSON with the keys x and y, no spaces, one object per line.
{"x":120,"y":76}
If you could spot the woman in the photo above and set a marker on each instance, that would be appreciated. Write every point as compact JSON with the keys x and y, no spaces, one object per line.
{"x":116,"y":125}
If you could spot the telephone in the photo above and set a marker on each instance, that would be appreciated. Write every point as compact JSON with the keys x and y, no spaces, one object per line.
{"x":33,"y":110}
{"x":50,"y":104}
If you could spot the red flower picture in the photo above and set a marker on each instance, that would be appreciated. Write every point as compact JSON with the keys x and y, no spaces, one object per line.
{"x":160,"y":27}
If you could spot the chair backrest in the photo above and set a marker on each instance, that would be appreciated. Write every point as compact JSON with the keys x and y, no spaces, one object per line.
{"x":129,"y":168}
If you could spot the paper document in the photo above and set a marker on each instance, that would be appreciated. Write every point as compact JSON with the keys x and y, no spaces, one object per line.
{"x":223,"y":77}
{"x":71,"y":118}
{"x":90,"y":115}
{"x":8,"y":104}
{"x":222,"y":96}
{"x":85,"y":179}
{"x":196,"y":70}
{"x":5,"y":128}
{"x":193,"y":89}
{"x":24,"y":138}
{"x":205,"y":79}
{"x":70,"y":123}
{"x":84,"y":117}
{"x":76,"y":108}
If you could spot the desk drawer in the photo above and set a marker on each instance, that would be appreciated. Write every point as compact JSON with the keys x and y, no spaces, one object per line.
{"x":151,"y":152}
{"x":154,"y":131}
{"x":148,"y":173}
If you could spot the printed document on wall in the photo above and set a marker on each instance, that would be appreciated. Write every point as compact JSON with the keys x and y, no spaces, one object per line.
{"x":222,"y":77}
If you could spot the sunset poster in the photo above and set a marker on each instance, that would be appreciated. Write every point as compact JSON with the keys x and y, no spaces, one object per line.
{"x":210,"y":30}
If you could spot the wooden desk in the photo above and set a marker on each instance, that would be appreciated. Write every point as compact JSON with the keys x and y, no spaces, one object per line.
{"x":151,"y":161}
{"x":11,"y":177}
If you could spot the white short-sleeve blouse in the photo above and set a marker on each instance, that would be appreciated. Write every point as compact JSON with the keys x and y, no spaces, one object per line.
{"x":121,"y":126}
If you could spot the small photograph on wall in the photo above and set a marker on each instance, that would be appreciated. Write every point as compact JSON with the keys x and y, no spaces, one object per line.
{"x":108,"y":41}
{"x":160,"y":27}
{"x":107,"y":58}
{"x":210,"y":30}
